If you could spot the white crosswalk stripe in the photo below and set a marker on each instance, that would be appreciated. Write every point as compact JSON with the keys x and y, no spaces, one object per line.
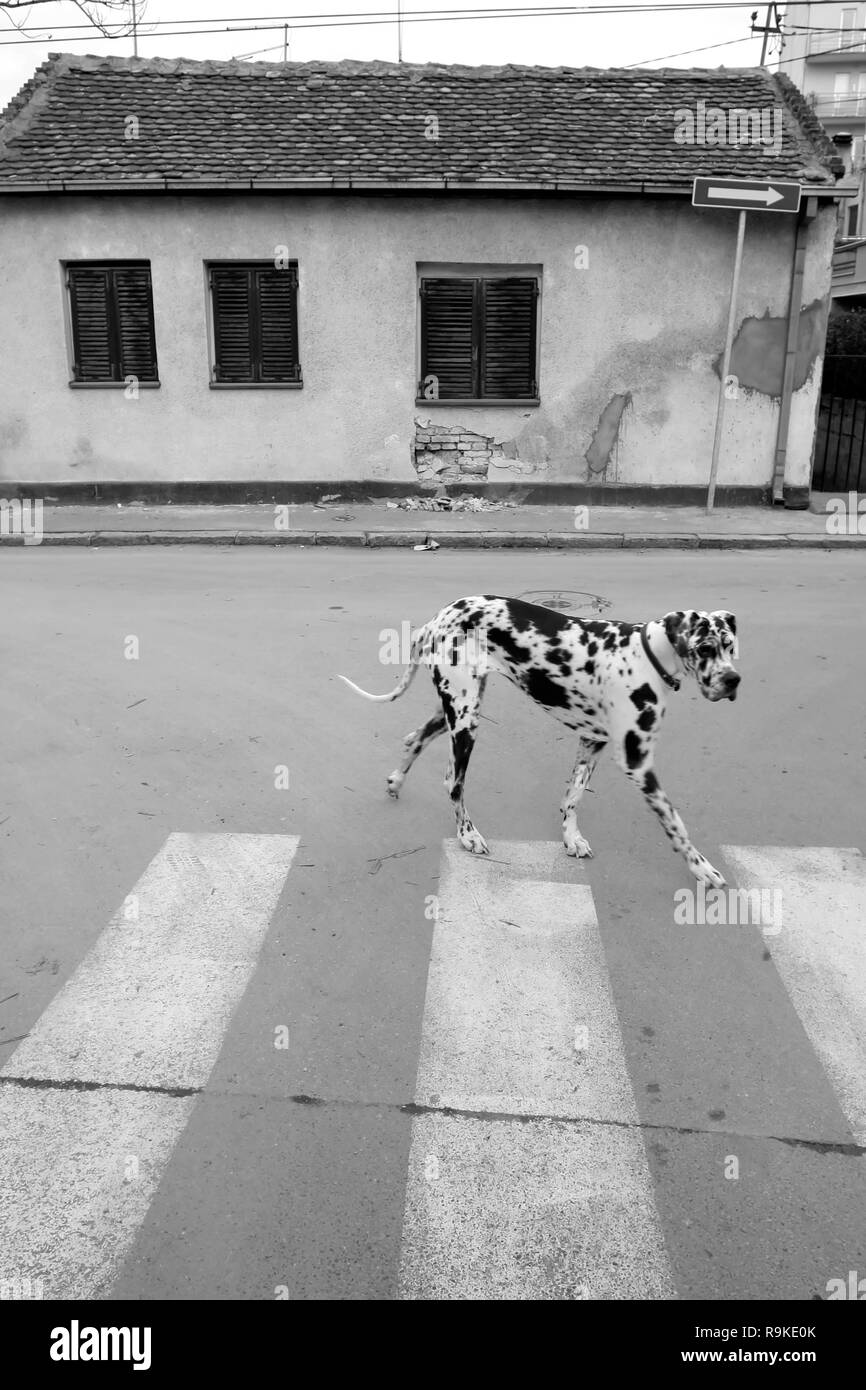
{"x":820,"y":953}
{"x":519,"y":1021}
{"x":82,"y":1149}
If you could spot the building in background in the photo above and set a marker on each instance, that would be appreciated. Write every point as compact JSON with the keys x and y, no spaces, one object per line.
{"x":247,"y":280}
{"x":825,"y":56}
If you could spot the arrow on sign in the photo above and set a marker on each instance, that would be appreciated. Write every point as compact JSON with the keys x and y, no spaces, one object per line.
{"x":767,"y":196}
{"x":749,"y":195}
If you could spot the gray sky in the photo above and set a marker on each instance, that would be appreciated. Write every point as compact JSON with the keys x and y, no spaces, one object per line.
{"x":578,"y":40}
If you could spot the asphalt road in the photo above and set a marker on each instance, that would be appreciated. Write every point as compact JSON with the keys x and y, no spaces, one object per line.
{"x":286,"y":1167}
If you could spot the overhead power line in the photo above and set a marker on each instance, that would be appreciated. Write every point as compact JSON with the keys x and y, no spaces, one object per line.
{"x":166,"y":25}
{"x":362,"y":21}
{"x":172,"y":28}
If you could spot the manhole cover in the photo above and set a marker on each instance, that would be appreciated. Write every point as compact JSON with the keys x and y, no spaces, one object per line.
{"x":567,"y":600}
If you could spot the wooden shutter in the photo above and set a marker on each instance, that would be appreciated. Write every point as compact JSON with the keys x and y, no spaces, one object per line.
{"x":90,"y":299}
{"x":448,"y":338}
{"x":112,"y":322}
{"x":232,"y":316}
{"x":277,"y":324}
{"x":135,"y":332}
{"x":508,"y":339}
{"x":255,"y":311}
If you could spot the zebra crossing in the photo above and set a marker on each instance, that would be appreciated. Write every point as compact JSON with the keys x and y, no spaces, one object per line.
{"x":527,"y":1170}
{"x":820,"y":954}
{"x":525,"y":1192}
{"x":96,"y":1097}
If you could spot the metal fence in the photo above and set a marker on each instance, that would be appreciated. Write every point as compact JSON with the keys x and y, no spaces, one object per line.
{"x":840,"y":442}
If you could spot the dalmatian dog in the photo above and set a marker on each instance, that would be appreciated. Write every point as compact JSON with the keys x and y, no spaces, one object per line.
{"x":606,"y":680}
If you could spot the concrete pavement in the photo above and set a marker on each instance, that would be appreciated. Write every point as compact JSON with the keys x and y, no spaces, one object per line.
{"x":376,"y":524}
{"x":406,"y":1004}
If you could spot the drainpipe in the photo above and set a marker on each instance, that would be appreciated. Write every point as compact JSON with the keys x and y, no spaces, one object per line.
{"x":794,"y":307}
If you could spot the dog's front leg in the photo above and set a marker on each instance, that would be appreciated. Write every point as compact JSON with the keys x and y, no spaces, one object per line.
{"x":584,"y":766}
{"x":634,"y":756}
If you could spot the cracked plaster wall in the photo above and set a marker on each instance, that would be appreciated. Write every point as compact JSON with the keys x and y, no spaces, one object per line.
{"x":627,"y":369}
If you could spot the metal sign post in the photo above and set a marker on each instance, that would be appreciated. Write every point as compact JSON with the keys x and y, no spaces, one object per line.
{"x":752,"y":195}
{"x":726,"y":361}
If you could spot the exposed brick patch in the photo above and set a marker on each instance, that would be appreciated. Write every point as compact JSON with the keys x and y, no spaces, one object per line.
{"x":451,"y":454}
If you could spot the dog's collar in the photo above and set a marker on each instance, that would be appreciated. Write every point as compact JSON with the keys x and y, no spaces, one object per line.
{"x":665,"y":675}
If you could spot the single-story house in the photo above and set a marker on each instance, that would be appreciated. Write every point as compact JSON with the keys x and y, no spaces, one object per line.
{"x":269,"y":280}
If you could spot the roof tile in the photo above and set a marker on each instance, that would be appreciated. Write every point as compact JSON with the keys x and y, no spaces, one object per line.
{"x":206,"y":122}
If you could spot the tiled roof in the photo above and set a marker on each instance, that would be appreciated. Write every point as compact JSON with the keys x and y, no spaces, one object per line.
{"x":214,"y":124}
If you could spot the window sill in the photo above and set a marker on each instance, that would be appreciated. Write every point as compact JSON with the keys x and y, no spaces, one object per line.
{"x":481,"y":400}
{"x":255,"y":385}
{"x":115,"y":385}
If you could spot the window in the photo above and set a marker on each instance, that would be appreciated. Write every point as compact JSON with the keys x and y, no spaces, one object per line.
{"x":849,"y":93}
{"x":478,"y":338}
{"x":849,"y":36}
{"x":255,"y":325}
{"x":111,"y":312}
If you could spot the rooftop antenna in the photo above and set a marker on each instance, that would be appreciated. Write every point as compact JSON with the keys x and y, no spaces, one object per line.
{"x":399,"y":34}
{"x":134,"y":30}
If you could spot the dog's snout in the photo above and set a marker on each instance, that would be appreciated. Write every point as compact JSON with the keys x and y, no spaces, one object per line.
{"x":732,"y":680}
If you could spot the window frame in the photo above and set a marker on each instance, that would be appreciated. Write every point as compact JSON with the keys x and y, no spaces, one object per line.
{"x":246,"y":264}
{"x":847,"y":31}
{"x":108,"y":264}
{"x":429,"y":270}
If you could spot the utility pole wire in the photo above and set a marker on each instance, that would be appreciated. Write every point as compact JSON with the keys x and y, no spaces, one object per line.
{"x":602,"y":9}
{"x":348,"y":20}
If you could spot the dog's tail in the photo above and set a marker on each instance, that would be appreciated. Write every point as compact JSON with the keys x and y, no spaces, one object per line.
{"x":405,"y":680}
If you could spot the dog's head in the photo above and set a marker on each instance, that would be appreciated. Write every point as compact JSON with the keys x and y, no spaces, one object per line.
{"x":706,"y":644}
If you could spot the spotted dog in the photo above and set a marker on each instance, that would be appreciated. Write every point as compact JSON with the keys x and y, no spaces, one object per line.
{"x":606,"y":680}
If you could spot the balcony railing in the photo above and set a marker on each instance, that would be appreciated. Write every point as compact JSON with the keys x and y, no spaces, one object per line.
{"x":838,"y":42}
{"x":846,"y":104}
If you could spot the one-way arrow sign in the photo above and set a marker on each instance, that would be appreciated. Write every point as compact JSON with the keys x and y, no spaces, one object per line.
{"x":750,"y":195}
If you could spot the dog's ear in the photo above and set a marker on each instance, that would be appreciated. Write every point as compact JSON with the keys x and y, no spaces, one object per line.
{"x":729,"y":619}
{"x":676,"y":629}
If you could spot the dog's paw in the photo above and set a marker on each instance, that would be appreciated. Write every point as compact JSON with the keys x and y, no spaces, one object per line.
{"x":705,"y":873}
{"x":576,"y":846}
{"x":395,"y":782}
{"x":472,"y":839}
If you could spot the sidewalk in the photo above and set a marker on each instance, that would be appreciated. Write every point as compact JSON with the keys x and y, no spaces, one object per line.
{"x":376,"y":524}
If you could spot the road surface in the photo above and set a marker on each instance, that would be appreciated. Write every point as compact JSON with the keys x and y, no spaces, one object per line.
{"x":265,"y":1034}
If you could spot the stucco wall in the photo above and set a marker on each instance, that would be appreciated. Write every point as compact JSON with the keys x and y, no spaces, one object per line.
{"x":629,"y":344}
{"x":806,"y":400}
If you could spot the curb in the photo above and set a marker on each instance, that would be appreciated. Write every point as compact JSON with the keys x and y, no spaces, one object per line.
{"x":453,"y":540}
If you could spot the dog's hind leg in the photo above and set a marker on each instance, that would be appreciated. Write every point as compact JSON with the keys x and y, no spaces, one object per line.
{"x":415,"y":743}
{"x":461,"y":700}
{"x":588,"y":753}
